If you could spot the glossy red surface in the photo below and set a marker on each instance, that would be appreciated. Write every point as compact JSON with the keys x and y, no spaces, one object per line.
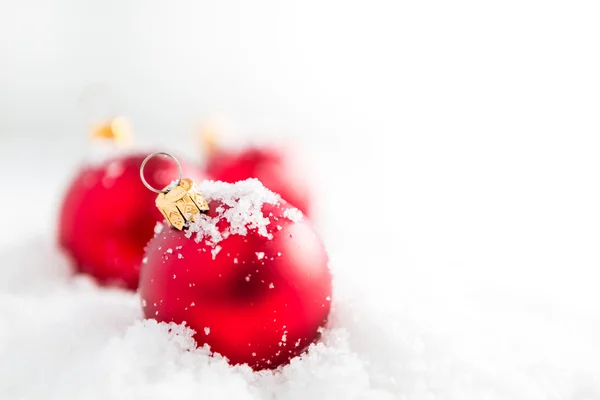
{"x":273,"y":167}
{"x":253,"y":300}
{"x":107,"y":217}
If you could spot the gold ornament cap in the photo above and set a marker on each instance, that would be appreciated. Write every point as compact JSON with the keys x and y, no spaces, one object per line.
{"x":181,"y":201}
{"x":211,"y":133}
{"x":118,"y":130}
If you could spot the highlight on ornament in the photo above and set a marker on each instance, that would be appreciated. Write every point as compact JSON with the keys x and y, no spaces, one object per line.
{"x":240,"y":266}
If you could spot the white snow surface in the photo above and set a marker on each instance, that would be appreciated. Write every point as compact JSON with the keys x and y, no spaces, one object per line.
{"x":62,"y":337}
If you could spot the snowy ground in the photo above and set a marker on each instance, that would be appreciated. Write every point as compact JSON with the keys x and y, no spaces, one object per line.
{"x":503,"y":308}
{"x":454,"y":148}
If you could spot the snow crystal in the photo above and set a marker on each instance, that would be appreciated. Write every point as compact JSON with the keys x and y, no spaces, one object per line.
{"x":260,"y":255}
{"x":158,"y":228}
{"x":180,"y":256}
{"x":206,"y":330}
{"x":170,"y":251}
{"x":293,"y":214}
{"x":172,"y":185}
{"x":243,"y":202}
{"x":215,"y":251}
{"x":271,"y":286}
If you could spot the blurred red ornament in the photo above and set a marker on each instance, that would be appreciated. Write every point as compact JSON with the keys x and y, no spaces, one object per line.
{"x":275,"y":167}
{"x":107,"y":216}
{"x":254,"y":285}
{"x":272,"y":166}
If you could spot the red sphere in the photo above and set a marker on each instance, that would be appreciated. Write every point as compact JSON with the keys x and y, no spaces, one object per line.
{"x":108,"y":216}
{"x":275,"y":168}
{"x":256,"y":287}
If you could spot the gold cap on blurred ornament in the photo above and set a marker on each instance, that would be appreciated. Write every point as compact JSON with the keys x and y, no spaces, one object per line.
{"x":211,"y":132}
{"x":181,"y":201}
{"x":117,"y":130}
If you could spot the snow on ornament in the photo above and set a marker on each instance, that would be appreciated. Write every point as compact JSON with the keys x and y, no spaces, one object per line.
{"x":107,"y":216}
{"x":253,"y":292}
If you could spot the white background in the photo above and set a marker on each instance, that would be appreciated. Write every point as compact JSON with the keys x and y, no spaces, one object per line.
{"x":453,"y":145}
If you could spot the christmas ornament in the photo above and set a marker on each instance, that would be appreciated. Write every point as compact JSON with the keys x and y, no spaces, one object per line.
{"x":275,"y":167}
{"x":107,"y":216}
{"x":241,"y":267}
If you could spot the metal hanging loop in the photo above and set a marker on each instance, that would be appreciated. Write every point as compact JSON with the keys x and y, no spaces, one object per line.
{"x":160,"y":153}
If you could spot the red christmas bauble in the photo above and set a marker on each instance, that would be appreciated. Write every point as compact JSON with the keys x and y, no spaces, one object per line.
{"x":250,"y":276}
{"x":107,"y":216}
{"x":274,"y":167}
